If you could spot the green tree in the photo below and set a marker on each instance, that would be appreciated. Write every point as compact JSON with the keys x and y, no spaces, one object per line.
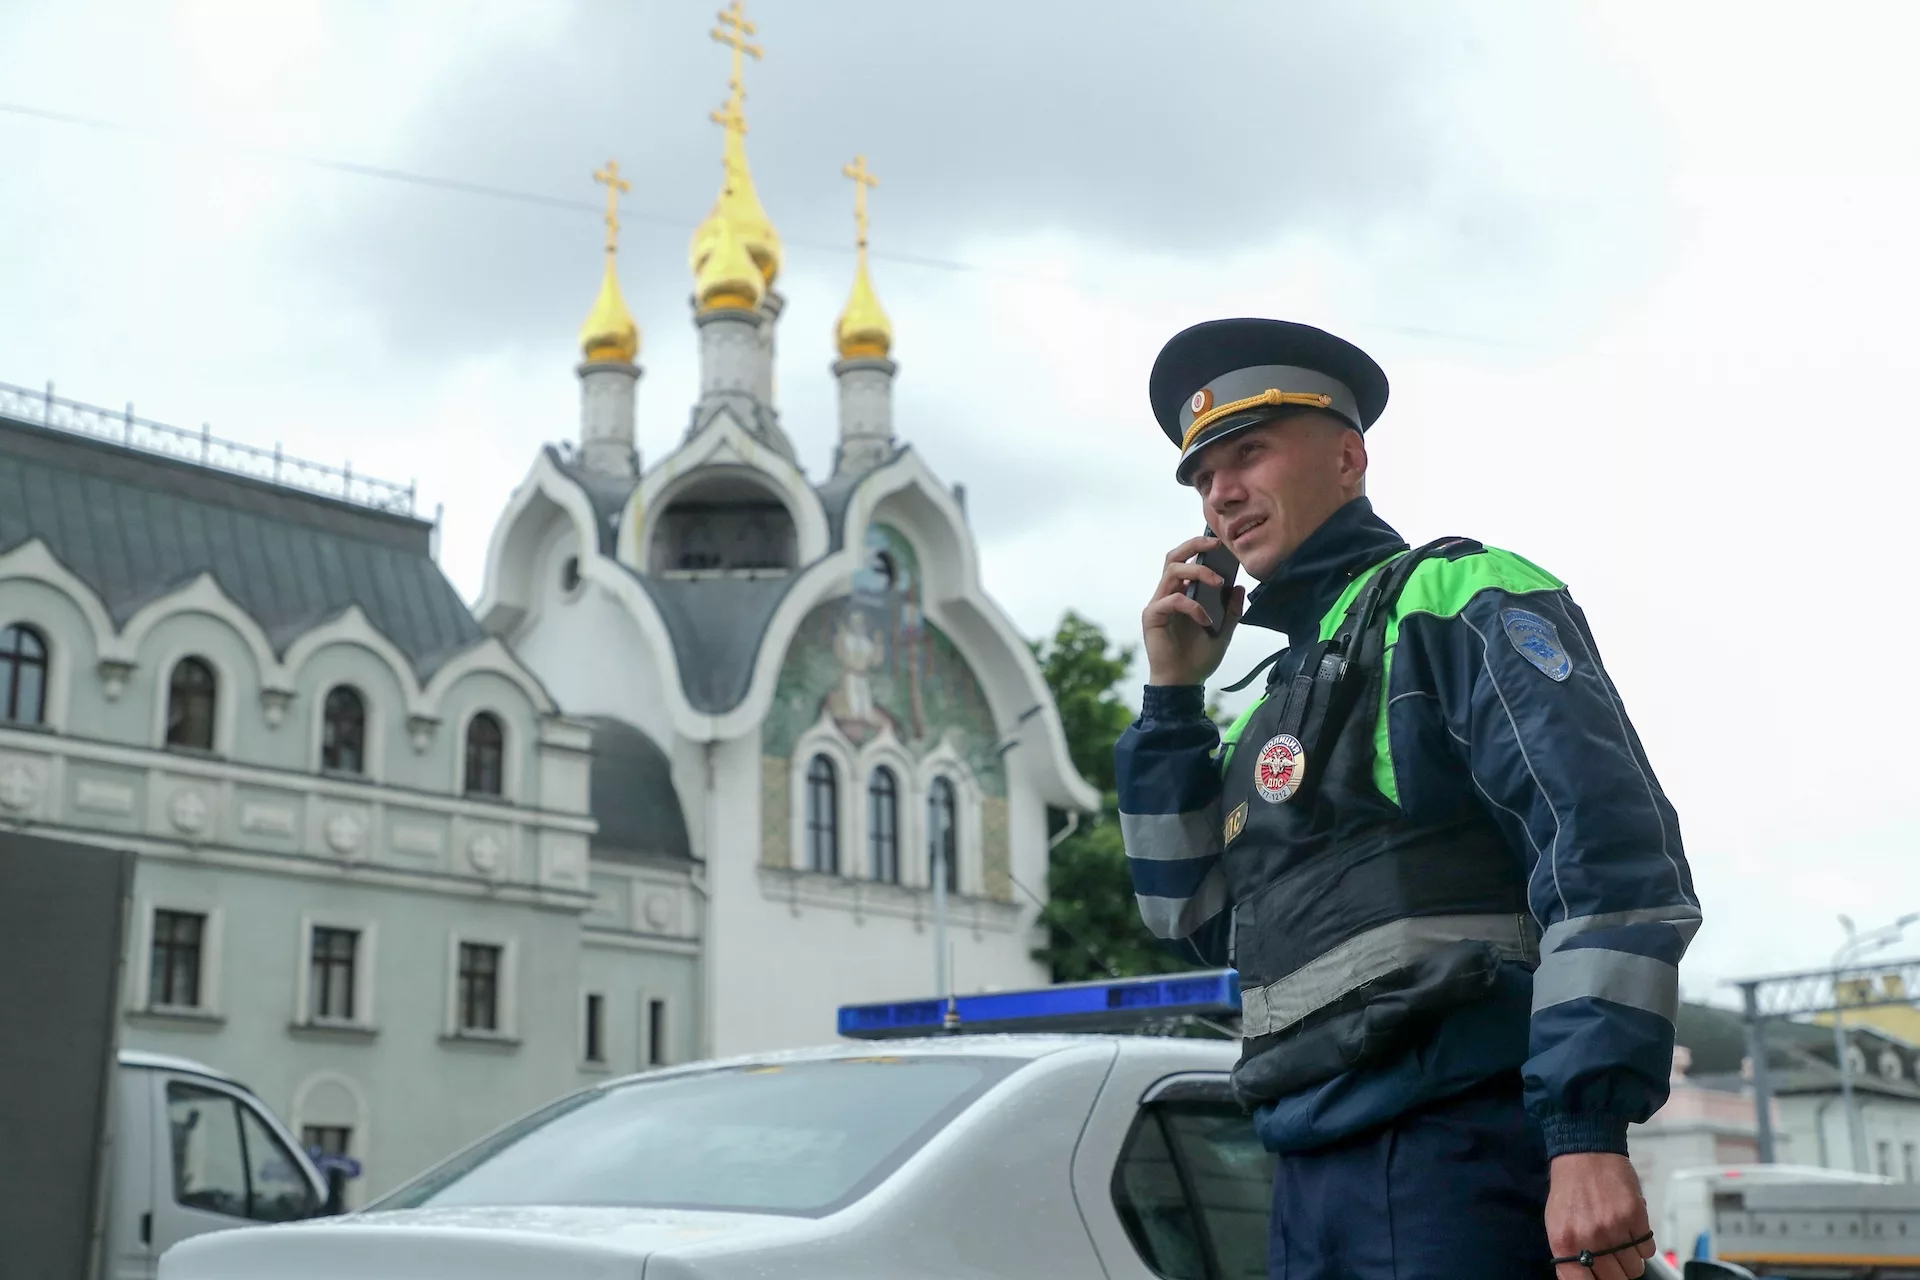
{"x":1094,"y":929}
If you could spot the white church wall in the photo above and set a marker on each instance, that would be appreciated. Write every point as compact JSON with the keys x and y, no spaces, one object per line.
{"x":585,"y":645}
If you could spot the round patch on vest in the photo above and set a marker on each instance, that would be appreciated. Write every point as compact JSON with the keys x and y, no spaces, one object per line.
{"x":1280,"y":768}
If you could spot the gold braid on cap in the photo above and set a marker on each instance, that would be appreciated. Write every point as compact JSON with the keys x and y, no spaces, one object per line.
{"x":1271,"y":396}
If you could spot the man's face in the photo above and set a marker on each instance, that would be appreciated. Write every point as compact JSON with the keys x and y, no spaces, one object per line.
{"x":1265,"y":489}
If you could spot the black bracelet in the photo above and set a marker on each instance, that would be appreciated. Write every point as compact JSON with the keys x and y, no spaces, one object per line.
{"x":1586,"y":1256}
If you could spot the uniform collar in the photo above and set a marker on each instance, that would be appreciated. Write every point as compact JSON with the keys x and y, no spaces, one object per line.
{"x":1307,"y":583}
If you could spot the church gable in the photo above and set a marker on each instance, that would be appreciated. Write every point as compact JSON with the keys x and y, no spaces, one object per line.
{"x":884,"y":677}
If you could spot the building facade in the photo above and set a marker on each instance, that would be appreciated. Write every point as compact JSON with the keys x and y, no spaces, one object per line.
{"x":364,"y":826}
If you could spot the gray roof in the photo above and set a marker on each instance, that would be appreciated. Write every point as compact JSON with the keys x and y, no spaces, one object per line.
{"x":607,"y":494}
{"x":716,"y":625}
{"x":134,"y":526}
{"x":632,"y":796}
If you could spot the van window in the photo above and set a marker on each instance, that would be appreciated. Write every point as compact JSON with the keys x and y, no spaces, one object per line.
{"x":227,"y":1161}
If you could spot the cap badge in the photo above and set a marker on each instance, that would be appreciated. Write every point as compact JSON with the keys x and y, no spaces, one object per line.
{"x":1201,"y":402}
{"x":1280,"y":768}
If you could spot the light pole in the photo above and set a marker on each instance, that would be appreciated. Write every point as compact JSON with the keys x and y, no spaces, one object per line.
{"x":1857,"y":944}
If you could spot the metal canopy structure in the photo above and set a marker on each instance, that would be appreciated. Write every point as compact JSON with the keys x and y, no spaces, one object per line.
{"x":1796,"y":995}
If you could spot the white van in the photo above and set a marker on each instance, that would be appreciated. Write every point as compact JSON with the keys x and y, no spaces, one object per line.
{"x":192,"y":1151}
{"x":1690,"y":1192}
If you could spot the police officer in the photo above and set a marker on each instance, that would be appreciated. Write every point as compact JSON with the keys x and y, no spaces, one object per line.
{"x":1433,"y":848}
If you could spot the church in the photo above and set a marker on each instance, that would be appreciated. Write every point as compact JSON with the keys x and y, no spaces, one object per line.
{"x":720,"y":748}
{"x":859,"y":742}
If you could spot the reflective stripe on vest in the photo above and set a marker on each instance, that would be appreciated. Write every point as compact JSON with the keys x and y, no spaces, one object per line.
{"x":1374,"y":954}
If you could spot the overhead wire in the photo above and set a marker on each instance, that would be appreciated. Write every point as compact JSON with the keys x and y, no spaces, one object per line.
{"x":491,"y":191}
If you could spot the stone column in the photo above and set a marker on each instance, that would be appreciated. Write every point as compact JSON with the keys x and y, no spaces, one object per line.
{"x":732,"y":363}
{"x":770,"y":308}
{"x":607,"y":416}
{"x":866,"y":412}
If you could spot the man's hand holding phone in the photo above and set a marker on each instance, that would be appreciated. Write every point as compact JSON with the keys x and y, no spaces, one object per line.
{"x":1185,"y":642}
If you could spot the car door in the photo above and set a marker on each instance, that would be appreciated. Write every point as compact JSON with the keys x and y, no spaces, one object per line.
{"x":1171,"y":1180}
{"x":130,"y":1254}
{"x":220,"y":1163}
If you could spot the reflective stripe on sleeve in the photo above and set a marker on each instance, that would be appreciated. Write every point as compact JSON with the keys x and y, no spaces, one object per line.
{"x":1618,"y":977}
{"x":1163,"y":837}
{"x":1179,"y":917}
{"x":1683,"y":916}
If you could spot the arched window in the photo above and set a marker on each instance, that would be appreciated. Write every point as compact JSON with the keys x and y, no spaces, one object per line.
{"x":883,"y":826}
{"x":486,"y":755}
{"x":343,"y":733}
{"x":190,"y":705}
{"x":943,"y":831}
{"x":23,"y":675}
{"x":823,"y":817}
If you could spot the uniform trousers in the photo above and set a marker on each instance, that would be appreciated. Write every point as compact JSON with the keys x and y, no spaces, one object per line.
{"x":1455,"y":1189}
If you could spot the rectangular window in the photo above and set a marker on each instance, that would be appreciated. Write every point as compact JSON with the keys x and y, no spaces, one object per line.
{"x":335,"y":956}
{"x":596,"y":1044}
{"x":1910,"y":1161}
{"x":1883,"y":1157}
{"x":656,"y":1033}
{"x":173,"y":976}
{"x":479,"y":987}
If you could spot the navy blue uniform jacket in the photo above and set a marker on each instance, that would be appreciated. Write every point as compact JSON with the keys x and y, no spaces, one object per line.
{"x":1473,"y":702}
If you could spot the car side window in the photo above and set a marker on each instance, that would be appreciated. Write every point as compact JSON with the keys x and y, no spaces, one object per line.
{"x":209,"y":1160}
{"x":1194,"y":1189}
{"x":278,"y":1190}
{"x":227,"y":1161}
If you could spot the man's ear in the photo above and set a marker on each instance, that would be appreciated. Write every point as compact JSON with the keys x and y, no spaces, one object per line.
{"x":1353,"y":461}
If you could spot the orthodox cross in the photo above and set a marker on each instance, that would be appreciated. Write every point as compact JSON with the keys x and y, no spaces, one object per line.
{"x":615,"y":185}
{"x":862,"y":179}
{"x":734,"y":19}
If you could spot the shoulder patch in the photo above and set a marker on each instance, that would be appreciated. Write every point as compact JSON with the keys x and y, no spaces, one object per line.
{"x":1538,"y":641}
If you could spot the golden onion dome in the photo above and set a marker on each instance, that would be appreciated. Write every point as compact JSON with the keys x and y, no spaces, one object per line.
{"x":863,"y":329}
{"x":739,"y":205}
{"x":728,"y":277}
{"x":610,"y":333}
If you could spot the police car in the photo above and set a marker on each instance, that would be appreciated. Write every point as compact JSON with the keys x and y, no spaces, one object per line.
{"x":995,"y":1153}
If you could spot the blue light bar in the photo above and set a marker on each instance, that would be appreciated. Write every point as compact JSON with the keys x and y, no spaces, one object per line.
{"x":1124,"y":1004}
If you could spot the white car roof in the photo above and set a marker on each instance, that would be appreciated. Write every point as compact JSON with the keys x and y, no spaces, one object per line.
{"x":1198,"y":1054}
{"x":167,"y":1062}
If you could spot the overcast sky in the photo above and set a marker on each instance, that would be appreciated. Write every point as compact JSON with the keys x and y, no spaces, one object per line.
{"x":1645,"y":277}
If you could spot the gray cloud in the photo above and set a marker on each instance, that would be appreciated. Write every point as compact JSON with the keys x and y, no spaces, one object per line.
{"x":1199,"y":126}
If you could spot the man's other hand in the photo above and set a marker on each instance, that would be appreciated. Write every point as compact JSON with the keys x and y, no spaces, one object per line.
{"x":1594,"y":1202}
{"x":1179,"y":650}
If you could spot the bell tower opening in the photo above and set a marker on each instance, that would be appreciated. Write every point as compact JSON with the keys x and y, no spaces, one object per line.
{"x":724,"y":525}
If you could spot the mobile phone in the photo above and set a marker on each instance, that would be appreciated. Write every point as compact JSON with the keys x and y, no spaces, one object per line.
{"x":1211,"y":598}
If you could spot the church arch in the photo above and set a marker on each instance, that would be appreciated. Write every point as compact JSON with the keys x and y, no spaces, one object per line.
{"x":724,"y":521}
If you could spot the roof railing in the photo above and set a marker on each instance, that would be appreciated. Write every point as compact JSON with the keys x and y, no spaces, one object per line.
{"x":202,"y":448}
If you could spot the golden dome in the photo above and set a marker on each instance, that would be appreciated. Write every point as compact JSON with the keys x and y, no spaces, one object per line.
{"x":738,"y":204}
{"x":728,"y":277}
{"x":864,"y":329}
{"x":610,"y":333}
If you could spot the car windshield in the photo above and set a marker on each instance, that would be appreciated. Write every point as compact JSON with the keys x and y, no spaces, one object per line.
{"x":803,"y":1138}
